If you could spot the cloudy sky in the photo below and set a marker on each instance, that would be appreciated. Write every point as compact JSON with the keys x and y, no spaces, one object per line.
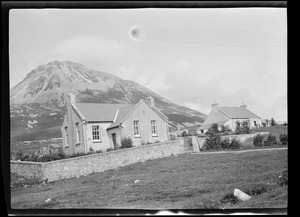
{"x":193,"y":57}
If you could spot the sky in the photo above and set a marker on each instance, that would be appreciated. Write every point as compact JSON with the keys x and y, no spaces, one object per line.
{"x":193,"y":57}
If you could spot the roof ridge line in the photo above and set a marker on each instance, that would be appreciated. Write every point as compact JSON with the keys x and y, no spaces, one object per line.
{"x":224,"y":112}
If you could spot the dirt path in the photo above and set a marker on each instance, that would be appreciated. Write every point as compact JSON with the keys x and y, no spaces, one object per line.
{"x":242,"y":151}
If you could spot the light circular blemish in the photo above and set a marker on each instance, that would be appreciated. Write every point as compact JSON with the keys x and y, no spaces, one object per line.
{"x":134,"y":32}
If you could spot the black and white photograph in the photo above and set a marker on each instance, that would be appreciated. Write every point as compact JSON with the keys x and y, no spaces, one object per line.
{"x":148,"y":108}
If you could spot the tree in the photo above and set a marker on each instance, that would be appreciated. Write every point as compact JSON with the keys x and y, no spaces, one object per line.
{"x":238,"y":128}
{"x":213,"y":141}
{"x":245,"y":127}
{"x":225,"y":129}
{"x":214,"y":129}
{"x":183,"y":134}
{"x":273,"y":123}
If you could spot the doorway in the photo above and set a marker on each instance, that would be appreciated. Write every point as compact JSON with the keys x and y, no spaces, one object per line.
{"x":114,"y":138}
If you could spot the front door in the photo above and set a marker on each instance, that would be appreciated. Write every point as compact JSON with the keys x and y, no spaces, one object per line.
{"x":114,"y":140}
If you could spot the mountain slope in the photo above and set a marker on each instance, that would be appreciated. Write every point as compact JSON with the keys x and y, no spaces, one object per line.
{"x":38,"y":102}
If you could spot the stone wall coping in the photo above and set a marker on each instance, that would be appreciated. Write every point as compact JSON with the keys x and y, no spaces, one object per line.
{"x":27,"y":162}
{"x":95,"y":154}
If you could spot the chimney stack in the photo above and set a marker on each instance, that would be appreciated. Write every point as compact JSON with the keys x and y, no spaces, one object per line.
{"x":215,"y":106}
{"x":243,"y":106}
{"x":71,"y":99}
{"x":150,"y":98}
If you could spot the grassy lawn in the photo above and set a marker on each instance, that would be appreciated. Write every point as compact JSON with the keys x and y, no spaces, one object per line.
{"x":188,"y":181}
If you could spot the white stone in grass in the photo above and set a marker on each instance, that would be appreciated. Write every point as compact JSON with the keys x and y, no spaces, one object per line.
{"x":48,"y":200}
{"x":241,"y":195}
{"x":136,"y":181}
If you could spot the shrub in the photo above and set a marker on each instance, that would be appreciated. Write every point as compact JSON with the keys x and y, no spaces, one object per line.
{"x":258,"y":140}
{"x":183,"y":134}
{"x":212,"y":142}
{"x":225,"y":129}
{"x":283,"y":137}
{"x":235,"y":144}
{"x":99,"y":151}
{"x":273,"y":122}
{"x":19,"y":154}
{"x":225,"y":144}
{"x":238,"y":128}
{"x":245,"y":127}
{"x":271,"y":140}
{"x":109,"y":149}
{"x":126,"y":142}
{"x":229,"y":199}
{"x":91,"y":150}
{"x":282,"y":180}
{"x":257,"y":190}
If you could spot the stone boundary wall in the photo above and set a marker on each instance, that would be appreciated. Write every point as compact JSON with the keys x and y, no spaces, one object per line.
{"x":88,"y":164}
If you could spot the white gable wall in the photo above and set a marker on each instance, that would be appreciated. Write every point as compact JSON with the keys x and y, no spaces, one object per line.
{"x":144,"y":114}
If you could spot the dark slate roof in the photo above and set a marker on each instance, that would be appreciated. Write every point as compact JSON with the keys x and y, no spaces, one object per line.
{"x":238,"y":112}
{"x":99,"y":111}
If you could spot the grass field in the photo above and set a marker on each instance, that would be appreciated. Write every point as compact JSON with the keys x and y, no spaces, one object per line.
{"x":188,"y":181}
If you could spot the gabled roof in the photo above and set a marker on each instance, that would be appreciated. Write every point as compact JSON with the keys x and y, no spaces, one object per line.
{"x":99,"y":111}
{"x":121,"y":115}
{"x":225,"y":113}
{"x":237,"y":112}
{"x":116,"y":113}
{"x":124,"y":112}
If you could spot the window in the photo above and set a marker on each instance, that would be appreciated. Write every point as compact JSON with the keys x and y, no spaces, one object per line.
{"x":77,"y":132}
{"x":153,"y":128}
{"x":96,"y":133}
{"x":136,"y":128}
{"x":255,"y":123}
{"x":66,"y":136}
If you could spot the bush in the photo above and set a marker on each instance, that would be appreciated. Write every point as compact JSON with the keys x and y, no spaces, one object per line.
{"x":271,"y":140}
{"x":126,"y":143}
{"x":258,"y":140}
{"x":238,"y":128}
{"x":225,"y":129}
{"x":212,"y":142}
{"x":229,"y":199}
{"x":109,"y":149}
{"x":282,"y":180}
{"x":98,"y":151}
{"x":245,"y":127}
{"x":235,"y":144}
{"x":273,"y":122}
{"x":225,"y":144}
{"x":183,"y":134}
{"x":283,"y":137}
{"x":91,"y":150}
{"x":19,"y":154}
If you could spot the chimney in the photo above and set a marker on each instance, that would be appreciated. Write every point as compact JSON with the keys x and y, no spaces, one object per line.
{"x":71,"y":99}
{"x":214,"y":106}
{"x":243,"y":106}
{"x":150,"y":98}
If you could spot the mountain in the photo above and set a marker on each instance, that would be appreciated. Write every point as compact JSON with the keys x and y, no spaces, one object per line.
{"x":37,"y":104}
